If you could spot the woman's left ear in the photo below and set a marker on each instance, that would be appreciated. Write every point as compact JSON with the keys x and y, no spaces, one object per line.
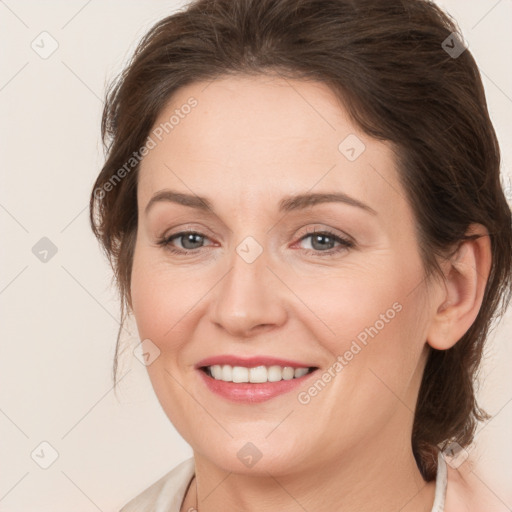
{"x":465,"y":278}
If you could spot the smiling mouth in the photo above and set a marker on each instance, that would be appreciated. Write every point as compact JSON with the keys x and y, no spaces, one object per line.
{"x":255,"y":375}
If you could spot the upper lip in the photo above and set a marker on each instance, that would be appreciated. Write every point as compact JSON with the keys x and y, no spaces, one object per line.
{"x":250,"y":362}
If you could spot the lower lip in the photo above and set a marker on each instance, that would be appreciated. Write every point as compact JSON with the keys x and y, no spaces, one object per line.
{"x":249,"y":392}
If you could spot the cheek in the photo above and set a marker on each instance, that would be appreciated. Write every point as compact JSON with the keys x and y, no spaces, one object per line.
{"x":375,"y":337}
{"x":160,"y":302}
{"x":373,"y":319}
{"x":346,"y":307}
{"x":161,"y":296}
{"x":157,"y":311}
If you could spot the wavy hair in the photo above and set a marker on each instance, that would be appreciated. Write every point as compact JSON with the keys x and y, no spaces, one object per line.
{"x":389,"y":63}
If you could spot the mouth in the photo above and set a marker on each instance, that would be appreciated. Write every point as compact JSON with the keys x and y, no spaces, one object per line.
{"x":255,"y":375}
{"x":252,"y":380}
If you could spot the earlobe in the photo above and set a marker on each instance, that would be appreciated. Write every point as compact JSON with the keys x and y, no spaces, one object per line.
{"x":465,"y":278}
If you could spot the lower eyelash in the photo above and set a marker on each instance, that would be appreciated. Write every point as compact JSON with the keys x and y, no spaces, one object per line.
{"x":344,"y":243}
{"x":166,"y":242}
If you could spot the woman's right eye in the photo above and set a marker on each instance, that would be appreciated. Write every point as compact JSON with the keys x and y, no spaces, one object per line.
{"x":187,"y":238}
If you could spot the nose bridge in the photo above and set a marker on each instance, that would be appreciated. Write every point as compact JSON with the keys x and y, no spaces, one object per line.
{"x":247,"y":298}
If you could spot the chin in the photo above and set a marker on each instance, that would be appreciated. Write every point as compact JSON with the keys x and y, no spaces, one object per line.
{"x":258,"y":457}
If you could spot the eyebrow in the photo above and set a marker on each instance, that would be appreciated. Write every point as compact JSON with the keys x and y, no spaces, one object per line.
{"x":287,"y":204}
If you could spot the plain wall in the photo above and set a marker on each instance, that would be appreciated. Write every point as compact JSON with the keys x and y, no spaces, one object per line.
{"x":60,"y":317}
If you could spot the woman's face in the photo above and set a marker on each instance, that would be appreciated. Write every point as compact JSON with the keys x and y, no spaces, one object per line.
{"x":278,"y":275}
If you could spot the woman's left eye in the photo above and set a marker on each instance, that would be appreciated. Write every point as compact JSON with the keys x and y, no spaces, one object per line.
{"x":322,"y":239}
{"x":321,"y":242}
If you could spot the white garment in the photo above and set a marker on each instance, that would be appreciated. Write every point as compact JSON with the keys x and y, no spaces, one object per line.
{"x":167,"y":493}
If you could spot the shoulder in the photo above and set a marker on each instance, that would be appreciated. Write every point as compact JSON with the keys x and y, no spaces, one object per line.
{"x":466,"y":492}
{"x":166,"y":494}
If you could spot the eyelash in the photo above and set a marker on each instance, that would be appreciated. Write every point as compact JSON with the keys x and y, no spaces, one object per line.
{"x":344,"y":243}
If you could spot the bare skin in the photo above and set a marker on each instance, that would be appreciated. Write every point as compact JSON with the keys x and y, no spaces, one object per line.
{"x":247,"y":144}
{"x":467,"y":492}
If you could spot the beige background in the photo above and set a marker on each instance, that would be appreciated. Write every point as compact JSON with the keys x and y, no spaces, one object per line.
{"x":59,"y":318}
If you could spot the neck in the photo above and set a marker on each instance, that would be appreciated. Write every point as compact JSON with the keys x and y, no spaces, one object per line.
{"x":369,"y":480}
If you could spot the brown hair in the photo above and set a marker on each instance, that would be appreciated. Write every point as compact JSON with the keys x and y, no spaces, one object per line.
{"x":386,"y":62}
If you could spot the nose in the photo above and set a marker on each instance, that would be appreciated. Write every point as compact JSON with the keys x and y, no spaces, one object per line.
{"x":250,"y":299}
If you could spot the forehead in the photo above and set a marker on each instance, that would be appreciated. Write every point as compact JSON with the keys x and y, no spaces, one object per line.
{"x":255,"y":139}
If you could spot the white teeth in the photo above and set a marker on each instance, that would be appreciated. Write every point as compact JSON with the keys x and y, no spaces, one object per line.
{"x":288,"y":372}
{"x":216,"y":370}
{"x":227,"y":373}
{"x":274,"y":374}
{"x":240,"y":374}
{"x":299,"y":372}
{"x":256,"y":374}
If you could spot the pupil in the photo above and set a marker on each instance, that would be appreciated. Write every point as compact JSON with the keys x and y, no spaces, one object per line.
{"x":318,"y":237}
{"x":190,"y":238}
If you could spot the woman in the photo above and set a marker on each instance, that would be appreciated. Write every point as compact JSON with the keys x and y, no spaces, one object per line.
{"x":302,"y":206}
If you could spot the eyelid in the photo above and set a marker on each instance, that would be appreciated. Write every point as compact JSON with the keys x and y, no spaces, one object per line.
{"x":190,"y":227}
{"x":345,"y":243}
{"x":333,"y":231}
